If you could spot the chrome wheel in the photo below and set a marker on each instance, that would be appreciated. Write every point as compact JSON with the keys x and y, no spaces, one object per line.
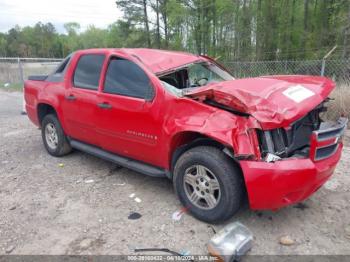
{"x":51,"y":136}
{"x":202,"y":187}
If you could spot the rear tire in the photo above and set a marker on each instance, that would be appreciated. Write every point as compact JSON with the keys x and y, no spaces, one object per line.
{"x":209,"y":184}
{"x":55,"y":141}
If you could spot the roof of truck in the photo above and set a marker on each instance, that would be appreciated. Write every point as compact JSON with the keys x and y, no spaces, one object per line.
{"x":158,"y":61}
{"x":161,"y":60}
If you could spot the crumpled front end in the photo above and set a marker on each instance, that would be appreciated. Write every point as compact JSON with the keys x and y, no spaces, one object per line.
{"x":297,"y":170}
{"x":286,"y":151}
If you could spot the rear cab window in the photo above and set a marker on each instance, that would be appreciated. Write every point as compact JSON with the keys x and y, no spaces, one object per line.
{"x":88,"y":71}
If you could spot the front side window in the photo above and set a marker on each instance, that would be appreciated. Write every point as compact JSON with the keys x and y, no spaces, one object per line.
{"x":126,"y":78}
{"x":88,"y":71}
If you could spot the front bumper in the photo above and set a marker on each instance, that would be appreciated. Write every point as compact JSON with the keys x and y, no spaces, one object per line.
{"x":291,"y":180}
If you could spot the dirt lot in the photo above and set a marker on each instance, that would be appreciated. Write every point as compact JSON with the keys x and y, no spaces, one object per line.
{"x":80,"y":204}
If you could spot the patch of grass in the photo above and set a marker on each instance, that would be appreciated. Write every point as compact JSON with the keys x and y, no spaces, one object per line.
{"x":340,"y":106}
{"x":14,"y":87}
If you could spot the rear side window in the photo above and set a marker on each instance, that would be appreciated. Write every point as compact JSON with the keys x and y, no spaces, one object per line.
{"x":88,"y":71}
{"x":126,"y":78}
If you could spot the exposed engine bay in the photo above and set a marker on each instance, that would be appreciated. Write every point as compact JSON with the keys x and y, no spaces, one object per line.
{"x":294,"y":141}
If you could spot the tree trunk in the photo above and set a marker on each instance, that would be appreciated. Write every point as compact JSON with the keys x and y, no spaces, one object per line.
{"x":144,"y":2}
{"x":259,"y":32}
{"x":306,"y":30}
{"x":346,"y":35}
{"x":291,"y":28}
{"x":213,"y":43}
{"x":165,"y":21}
{"x":158,"y":30}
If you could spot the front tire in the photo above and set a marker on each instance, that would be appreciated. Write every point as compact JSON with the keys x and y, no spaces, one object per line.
{"x":55,"y":141}
{"x":209,"y":184}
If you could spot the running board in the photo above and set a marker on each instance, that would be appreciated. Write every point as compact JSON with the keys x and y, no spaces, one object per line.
{"x":123,"y":161}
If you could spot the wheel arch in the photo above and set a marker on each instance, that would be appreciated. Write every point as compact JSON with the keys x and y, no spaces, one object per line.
{"x":183,"y":141}
{"x":44,"y":109}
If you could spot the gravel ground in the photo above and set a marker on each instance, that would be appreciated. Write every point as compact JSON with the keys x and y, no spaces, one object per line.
{"x":80,"y":204}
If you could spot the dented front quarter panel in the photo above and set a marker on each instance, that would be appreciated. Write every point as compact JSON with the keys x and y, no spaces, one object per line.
{"x":233,"y":131}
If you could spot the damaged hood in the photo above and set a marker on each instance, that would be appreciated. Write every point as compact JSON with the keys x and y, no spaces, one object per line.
{"x":275,"y":101}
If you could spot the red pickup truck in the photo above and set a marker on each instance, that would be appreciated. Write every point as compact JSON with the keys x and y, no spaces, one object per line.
{"x":183,"y":116}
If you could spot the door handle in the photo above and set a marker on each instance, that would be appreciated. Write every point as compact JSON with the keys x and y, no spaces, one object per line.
{"x":104,"y":105}
{"x":71,"y":97}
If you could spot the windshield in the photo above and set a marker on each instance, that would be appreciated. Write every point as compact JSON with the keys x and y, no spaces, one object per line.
{"x":193,"y":76}
{"x":205,"y":73}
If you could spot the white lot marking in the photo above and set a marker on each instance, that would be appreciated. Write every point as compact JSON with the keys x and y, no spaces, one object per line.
{"x":298,"y":93}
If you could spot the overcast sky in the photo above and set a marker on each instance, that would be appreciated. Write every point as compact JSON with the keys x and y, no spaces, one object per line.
{"x":100,"y":13}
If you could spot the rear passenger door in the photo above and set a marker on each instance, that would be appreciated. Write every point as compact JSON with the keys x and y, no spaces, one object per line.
{"x":80,"y":102}
{"x":128,"y":121}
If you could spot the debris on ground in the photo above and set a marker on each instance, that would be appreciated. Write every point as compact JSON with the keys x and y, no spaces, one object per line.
{"x":286,"y":241}
{"x":9,"y":249}
{"x":212,"y":228}
{"x":158,"y":250}
{"x":301,"y":206}
{"x":137,"y":199}
{"x":185,"y":252}
{"x":61,"y":165}
{"x":85,"y":243}
{"x":231,"y":243}
{"x":12,"y":208}
{"x":89,"y":181}
{"x":134,"y":216}
{"x":178,"y":214}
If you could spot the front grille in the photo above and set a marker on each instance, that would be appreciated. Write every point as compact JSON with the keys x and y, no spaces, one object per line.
{"x":325,"y":140}
{"x":324,"y":152}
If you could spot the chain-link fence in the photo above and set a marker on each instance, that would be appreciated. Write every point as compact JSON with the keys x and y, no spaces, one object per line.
{"x":13,"y":71}
{"x":338,"y":70}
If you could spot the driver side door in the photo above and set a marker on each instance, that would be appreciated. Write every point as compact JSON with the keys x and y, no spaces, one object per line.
{"x":128,"y":122}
